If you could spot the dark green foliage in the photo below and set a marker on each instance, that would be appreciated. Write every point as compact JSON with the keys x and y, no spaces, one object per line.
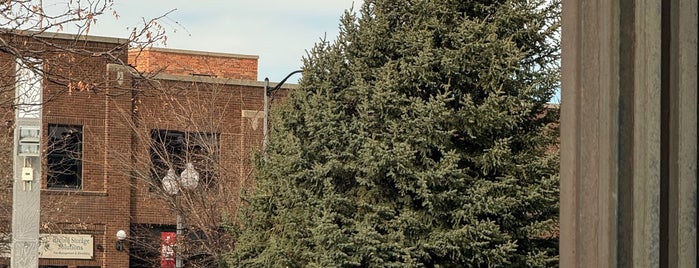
{"x":418,"y":139}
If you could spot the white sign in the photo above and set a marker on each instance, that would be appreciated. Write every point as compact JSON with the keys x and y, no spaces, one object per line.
{"x":66,"y":246}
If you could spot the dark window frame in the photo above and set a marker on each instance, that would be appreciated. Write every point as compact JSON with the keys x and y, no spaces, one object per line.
{"x":174,"y":148}
{"x":64,"y":157}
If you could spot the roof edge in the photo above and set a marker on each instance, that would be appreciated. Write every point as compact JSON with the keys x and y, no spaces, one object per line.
{"x":216,"y":80}
{"x":66,"y":36}
{"x":196,"y":52}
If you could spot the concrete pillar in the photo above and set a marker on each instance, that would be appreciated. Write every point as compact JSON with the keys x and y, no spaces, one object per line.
{"x":26,"y":187}
{"x":628,"y":133}
{"x":680,"y":100}
{"x":589,"y":130}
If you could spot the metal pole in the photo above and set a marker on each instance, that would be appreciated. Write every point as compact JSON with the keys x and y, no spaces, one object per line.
{"x":178,"y":254}
{"x":265,"y":118}
{"x":268,"y":93}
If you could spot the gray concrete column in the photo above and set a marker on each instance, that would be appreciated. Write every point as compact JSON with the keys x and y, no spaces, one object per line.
{"x":25,"y":216}
{"x":589,"y":127}
{"x":629,"y":133}
{"x":681,"y":100}
{"x":640,"y":81}
{"x":26,"y":188}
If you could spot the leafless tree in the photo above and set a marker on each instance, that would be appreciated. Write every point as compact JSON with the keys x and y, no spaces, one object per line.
{"x":49,"y":42}
{"x":176,"y":123}
{"x":6,"y":140}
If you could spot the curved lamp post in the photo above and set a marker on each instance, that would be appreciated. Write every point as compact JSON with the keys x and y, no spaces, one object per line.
{"x":173,"y":184}
{"x":268,"y":92}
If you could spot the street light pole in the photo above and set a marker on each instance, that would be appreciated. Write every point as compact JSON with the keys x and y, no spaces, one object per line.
{"x":172,"y":184}
{"x":178,"y":235}
{"x":264,"y":120}
{"x":268,"y":93}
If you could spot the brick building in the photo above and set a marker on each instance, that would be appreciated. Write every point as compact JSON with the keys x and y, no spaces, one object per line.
{"x":110,"y":135}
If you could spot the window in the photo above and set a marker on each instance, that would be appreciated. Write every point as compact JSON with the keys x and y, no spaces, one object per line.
{"x":64,"y":157}
{"x":174,"y":149}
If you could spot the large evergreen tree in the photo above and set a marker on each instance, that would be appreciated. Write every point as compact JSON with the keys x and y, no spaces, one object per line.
{"x":417,"y":139}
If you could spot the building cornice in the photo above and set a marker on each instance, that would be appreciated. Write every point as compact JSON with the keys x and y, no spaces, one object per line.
{"x":65,"y":36}
{"x":195,"y":52}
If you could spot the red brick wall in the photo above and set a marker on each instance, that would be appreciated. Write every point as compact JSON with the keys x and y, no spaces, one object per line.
{"x":183,"y":62}
{"x":74,"y":93}
{"x":191,"y":106}
{"x":114,"y":195}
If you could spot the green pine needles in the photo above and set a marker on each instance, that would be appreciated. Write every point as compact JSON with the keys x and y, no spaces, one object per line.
{"x":419,"y":138}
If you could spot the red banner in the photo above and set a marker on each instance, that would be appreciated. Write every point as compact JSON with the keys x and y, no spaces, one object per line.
{"x":167,"y":249}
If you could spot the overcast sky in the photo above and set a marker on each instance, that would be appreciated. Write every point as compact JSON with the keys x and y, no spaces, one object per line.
{"x":278,"y":31}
